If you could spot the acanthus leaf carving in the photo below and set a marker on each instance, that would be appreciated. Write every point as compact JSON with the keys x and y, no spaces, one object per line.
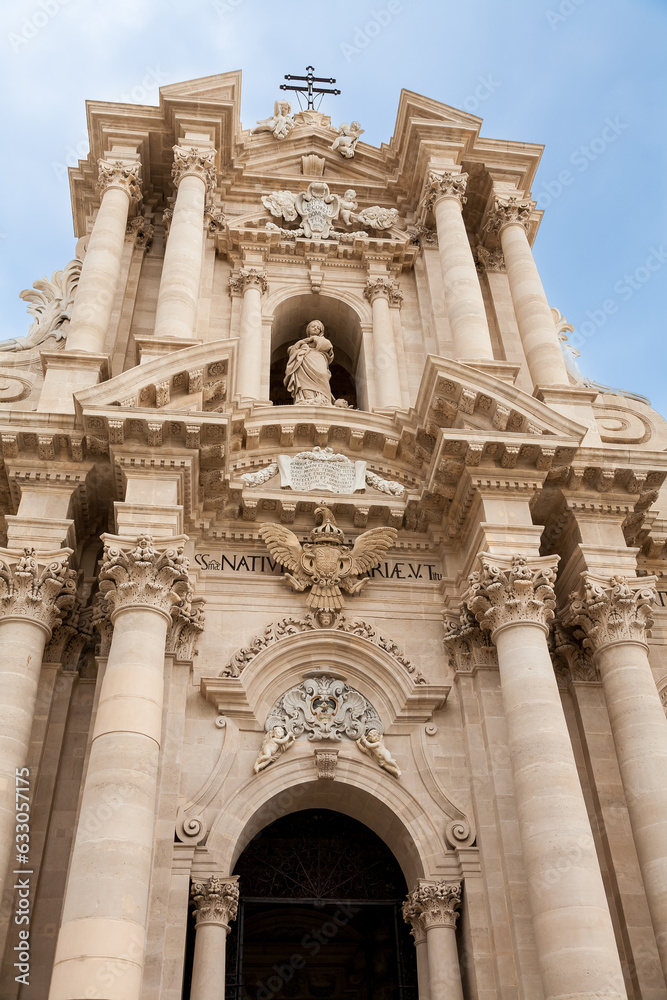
{"x":509,"y":590}
{"x":50,"y":303}
{"x":444,"y":183}
{"x":311,"y":622}
{"x":116,"y":173}
{"x":144,"y":575}
{"x":611,"y":610}
{"x":187,"y":625}
{"x":432,"y":904}
{"x":191,"y":161}
{"x":44,"y":592}
{"x":507,"y":211}
{"x":215,"y":899}
{"x":386,"y":287}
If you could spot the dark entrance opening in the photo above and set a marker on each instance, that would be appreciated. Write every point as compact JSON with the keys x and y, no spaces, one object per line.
{"x":320,"y":915}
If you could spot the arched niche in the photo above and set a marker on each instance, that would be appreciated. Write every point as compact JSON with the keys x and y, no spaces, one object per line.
{"x":342,"y":327}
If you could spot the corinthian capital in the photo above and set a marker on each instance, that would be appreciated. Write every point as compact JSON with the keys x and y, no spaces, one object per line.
{"x":507,"y":211}
{"x":385,"y":287}
{"x":444,"y":184}
{"x":432,"y":904}
{"x":121,"y":175}
{"x":508,"y":590}
{"x":144,"y":576}
{"x":248,"y":277}
{"x":198,"y":162}
{"x":612,"y":610}
{"x":215,"y":899}
{"x":43,"y":591}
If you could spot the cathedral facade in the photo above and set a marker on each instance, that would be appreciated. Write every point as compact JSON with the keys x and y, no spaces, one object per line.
{"x":333,"y":638}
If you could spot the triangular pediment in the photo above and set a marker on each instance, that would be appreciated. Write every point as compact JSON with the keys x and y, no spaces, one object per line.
{"x":223,"y":87}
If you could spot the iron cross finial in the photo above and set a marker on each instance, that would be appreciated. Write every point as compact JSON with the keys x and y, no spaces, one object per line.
{"x":310,"y":91}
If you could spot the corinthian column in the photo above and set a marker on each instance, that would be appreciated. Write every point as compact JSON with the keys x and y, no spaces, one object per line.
{"x":101,"y":943}
{"x":34,"y":597}
{"x":509,"y":218}
{"x":250,"y":282}
{"x":383,"y":292}
{"x":432,"y":909}
{"x":215,"y":903}
{"x":514,"y":599}
{"x":119,"y":185}
{"x":194,"y":175}
{"x":445,"y":194}
{"x":614,"y":615}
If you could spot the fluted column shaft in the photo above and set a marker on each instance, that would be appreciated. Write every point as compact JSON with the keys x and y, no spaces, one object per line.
{"x":178,"y":297}
{"x":33,"y":598}
{"x":533,"y":315}
{"x":381,"y":292}
{"x":100,"y":948}
{"x":614,"y":615}
{"x":250,"y":282}
{"x":463,"y":295}
{"x":93,"y":303}
{"x":574,"y":936}
{"x":216,"y":902}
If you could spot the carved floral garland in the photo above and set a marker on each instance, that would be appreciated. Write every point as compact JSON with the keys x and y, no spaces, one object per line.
{"x":294,"y":626}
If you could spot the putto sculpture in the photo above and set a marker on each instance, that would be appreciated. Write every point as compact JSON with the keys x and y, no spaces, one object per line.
{"x":280,"y":123}
{"x":307,"y":374}
{"x":372,"y":744}
{"x":346,"y":140}
{"x":326,"y":564}
{"x":274,"y":745}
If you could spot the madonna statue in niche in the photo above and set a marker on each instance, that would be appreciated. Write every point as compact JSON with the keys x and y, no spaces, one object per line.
{"x":307,"y":374}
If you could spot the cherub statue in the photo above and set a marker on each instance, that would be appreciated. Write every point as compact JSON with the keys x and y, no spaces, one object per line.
{"x":281,"y":205}
{"x":347,"y":138}
{"x":372,"y":744}
{"x":275,"y":743}
{"x":280,"y":123}
{"x":348,"y":205}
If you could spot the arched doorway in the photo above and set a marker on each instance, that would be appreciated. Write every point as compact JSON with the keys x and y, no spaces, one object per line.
{"x":320,"y":915}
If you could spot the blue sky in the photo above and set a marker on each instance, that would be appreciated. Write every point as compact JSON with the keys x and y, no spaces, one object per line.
{"x":587,"y":78}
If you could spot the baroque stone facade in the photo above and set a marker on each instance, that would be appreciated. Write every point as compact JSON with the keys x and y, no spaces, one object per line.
{"x":297,"y":400}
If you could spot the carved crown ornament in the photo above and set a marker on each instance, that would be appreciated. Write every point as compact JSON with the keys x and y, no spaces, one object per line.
{"x":611,"y":610}
{"x":325,"y":565}
{"x":43,"y":590}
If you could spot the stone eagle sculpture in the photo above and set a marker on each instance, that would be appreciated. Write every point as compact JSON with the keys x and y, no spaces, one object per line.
{"x":326,"y":564}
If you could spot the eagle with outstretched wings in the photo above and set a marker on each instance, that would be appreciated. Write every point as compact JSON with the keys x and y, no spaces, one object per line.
{"x":326,"y":564}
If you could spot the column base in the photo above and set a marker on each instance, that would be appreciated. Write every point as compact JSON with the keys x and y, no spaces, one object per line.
{"x":66,"y":373}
